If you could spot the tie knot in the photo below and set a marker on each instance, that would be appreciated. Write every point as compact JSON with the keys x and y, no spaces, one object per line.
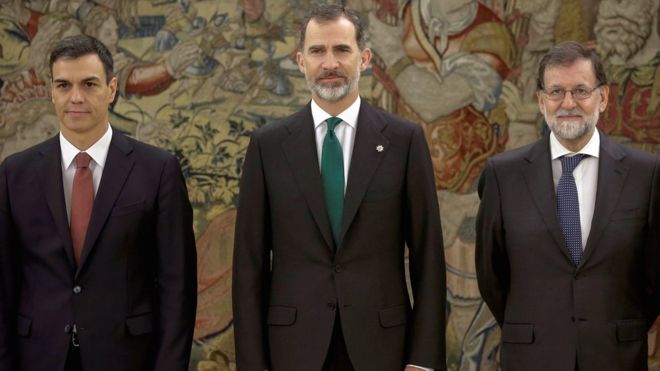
{"x":332,"y":123}
{"x":569,"y":163}
{"x":82,"y":159}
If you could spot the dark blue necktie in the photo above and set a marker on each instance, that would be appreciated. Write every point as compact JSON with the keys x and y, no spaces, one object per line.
{"x":568,"y":207}
{"x":332,"y":173}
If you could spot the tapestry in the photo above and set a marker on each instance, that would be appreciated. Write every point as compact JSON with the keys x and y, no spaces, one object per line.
{"x":197,"y":77}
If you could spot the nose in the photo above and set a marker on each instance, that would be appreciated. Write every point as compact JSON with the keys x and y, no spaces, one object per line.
{"x":330,"y":62}
{"x":568,"y":101}
{"x":76,"y":95}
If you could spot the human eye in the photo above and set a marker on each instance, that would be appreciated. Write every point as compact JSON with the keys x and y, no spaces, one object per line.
{"x":61,"y":85}
{"x":555,"y":93}
{"x":90,"y":84}
{"x":315,"y":51}
{"x":581,"y":92}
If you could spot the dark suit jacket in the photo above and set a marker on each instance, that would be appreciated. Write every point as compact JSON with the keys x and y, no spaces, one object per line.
{"x":135,"y":308}
{"x":550,"y":312}
{"x":284,"y":311}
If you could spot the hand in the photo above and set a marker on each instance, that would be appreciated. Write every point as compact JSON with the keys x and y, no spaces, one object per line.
{"x":181,"y":57}
{"x":385,"y":40}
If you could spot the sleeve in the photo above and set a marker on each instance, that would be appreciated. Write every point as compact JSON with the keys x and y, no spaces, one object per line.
{"x":7,"y":283}
{"x":176,"y":272}
{"x":652,"y":252}
{"x":426,"y":259}
{"x":251,"y":265}
{"x":492,"y":263}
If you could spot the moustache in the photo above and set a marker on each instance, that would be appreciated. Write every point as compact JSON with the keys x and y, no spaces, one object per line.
{"x":327,"y":74}
{"x":569,"y":112}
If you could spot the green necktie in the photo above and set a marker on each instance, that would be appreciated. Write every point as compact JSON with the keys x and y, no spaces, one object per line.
{"x":332,"y":173}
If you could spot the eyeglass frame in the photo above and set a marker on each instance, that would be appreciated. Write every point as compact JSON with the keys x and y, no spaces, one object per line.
{"x":564,"y":91}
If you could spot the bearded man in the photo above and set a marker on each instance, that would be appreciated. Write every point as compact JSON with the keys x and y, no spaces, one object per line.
{"x":329,"y":199}
{"x":567,"y":232}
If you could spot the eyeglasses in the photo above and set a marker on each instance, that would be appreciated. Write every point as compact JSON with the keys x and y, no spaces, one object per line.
{"x":579,"y":93}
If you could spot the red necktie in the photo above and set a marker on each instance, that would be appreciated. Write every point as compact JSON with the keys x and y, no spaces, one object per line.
{"x":82,"y":200}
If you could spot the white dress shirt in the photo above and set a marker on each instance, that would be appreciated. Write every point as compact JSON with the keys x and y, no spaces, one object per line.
{"x":345,"y":132}
{"x":98,"y":152}
{"x":585,"y":174}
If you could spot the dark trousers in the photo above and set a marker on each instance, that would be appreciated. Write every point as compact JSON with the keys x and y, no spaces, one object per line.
{"x":73,"y":362}
{"x":337,"y":358}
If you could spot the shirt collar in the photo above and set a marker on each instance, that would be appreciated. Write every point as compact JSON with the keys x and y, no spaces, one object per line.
{"x":349,"y":116}
{"x":592,"y":148}
{"x":98,"y":151}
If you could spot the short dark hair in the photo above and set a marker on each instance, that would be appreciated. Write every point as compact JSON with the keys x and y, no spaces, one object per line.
{"x":324,"y":13}
{"x":73,"y":47}
{"x":565,"y":54}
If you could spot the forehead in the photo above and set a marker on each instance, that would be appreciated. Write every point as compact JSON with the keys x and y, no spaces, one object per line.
{"x":580,"y":72}
{"x":83,"y":67}
{"x":337,"y":32}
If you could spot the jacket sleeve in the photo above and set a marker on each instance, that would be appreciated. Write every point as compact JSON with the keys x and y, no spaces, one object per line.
{"x":426,"y":258}
{"x":492,"y":262}
{"x":652,"y":252}
{"x":176,"y":271}
{"x":251,"y":266}
{"x":7,"y":277}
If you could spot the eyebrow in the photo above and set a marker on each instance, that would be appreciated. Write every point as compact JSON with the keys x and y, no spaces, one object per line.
{"x":88,"y":79}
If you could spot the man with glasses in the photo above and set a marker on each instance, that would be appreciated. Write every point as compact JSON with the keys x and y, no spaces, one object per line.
{"x":567,"y":233}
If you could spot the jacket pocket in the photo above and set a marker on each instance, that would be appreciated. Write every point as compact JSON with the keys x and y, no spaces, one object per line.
{"x":23,"y":326}
{"x":127,"y":209}
{"x":630,"y":330}
{"x":637,"y":213}
{"x":281,"y":316}
{"x":140,"y":325}
{"x":518,"y":333}
{"x":393,"y":316}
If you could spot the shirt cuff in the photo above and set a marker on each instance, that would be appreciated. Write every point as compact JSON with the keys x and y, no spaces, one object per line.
{"x":420,"y":367}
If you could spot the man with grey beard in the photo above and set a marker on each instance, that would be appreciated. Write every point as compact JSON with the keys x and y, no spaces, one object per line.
{"x":329,"y":199}
{"x":568,"y":240}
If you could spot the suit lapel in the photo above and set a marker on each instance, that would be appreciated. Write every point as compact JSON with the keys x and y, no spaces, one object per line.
{"x":300,"y":152}
{"x":538,"y":176}
{"x":364,"y":162}
{"x":611,"y":176}
{"x":49,"y":173}
{"x":118,"y":165}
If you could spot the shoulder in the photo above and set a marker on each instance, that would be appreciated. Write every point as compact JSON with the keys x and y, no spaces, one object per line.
{"x":392,"y":123}
{"x":27,"y":155}
{"x":281,"y":126}
{"x":513,"y":157}
{"x":629,"y":155}
{"x":141,"y":151}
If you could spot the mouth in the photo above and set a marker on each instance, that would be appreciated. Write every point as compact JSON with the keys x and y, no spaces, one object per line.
{"x":330,"y":78}
{"x":569,"y":117}
{"x":76,"y":114}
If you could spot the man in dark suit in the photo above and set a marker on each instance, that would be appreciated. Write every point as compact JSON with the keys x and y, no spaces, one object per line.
{"x":567,"y":233}
{"x":326,"y":205}
{"x":97,"y":252}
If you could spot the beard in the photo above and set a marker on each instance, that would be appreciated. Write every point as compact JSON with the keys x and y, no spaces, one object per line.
{"x":335,"y":91}
{"x":570,"y":129}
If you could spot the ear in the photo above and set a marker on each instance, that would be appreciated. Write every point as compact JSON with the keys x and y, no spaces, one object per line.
{"x":300,"y":61}
{"x":113,"y":89}
{"x":539,"y":97}
{"x":604,"y":97}
{"x":365,"y":58}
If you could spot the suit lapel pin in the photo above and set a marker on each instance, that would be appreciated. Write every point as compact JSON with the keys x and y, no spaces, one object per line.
{"x":380,"y":148}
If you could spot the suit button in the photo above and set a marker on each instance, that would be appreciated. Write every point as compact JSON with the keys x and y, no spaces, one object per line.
{"x":68,"y":328}
{"x":77,"y":289}
{"x":338,"y":268}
